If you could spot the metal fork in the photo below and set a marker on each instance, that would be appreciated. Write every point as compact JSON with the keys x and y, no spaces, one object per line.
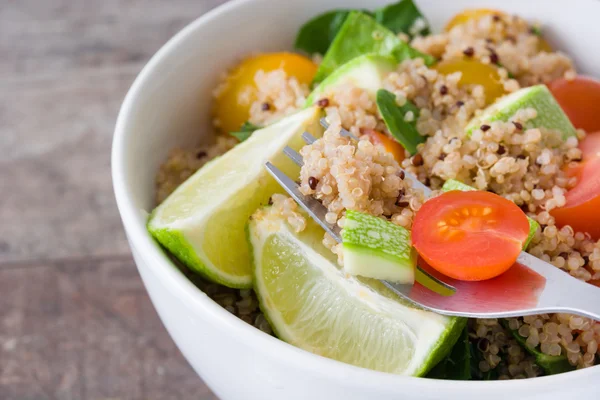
{"x":531,"y":286}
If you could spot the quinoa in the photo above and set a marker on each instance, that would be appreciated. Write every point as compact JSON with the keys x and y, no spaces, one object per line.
{"x":504,"y":40}
{"x":523,"y":165}
{"x":281,"y":93}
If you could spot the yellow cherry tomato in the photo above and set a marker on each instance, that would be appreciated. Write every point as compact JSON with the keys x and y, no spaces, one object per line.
{"x":232,"y":104}
{"x":390,"y":145}
{"x":469,"y":14}
{"x":544,"y":46}
{"x":474,"y":73}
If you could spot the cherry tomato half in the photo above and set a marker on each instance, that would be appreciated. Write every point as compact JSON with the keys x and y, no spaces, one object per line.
{"x":580,"y":99}
{"x":470,"y":236}
{"x":469,"y":14}
{"x":232,"y":104}
{"x":474,"y":73}
{"x":390,"y":145}
{"x":582,"y":210}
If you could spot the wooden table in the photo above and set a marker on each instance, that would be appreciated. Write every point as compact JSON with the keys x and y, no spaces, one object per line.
{"x":75,"y":320}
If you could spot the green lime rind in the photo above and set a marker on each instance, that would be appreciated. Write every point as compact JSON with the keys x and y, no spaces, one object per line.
{"x":444,"y":345}
{"x":452,"y":184}
{"x":366,"y":72}
{"x":202,"y":223}
{"x":549,"y":113}
{"x":177,"y":245}
{"x":313,"y":305}
{"x":550,"y":364}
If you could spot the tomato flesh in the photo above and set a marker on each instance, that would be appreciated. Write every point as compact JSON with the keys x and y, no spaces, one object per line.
{"x":580,"y":100}
{"x":582,"y":210}
{"x":390,"y":145}
{"x":470,"y":236}
{"x":475,"y":73}
{"x":232,"y":104}
{"x":469,"y":14}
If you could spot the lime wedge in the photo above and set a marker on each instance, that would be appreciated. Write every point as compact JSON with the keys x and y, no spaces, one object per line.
{"x":203,"y":222}
{"x":313,"y":305}
{"x":549,"y":113}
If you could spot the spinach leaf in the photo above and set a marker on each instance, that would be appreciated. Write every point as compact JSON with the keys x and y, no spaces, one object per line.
{"x":457,"y":365}
{"x":360,"y":34}
{"x":550,"y":364}
{"x":403,"y":16}
{"x":476,"y":358}
{"x":536,"y":30}
{"x":393,"y":115}
{"x":317,"y":34}
{"x":245,"y":131}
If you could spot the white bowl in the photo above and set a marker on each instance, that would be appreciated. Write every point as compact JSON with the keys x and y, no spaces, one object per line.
{"x":168,"y":105}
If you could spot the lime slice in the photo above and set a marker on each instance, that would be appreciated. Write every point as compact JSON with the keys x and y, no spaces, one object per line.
{"x":313,"y":305}
{"x":452,"y":184}
{"x":549,"y":113}
{"x":203,"y":222}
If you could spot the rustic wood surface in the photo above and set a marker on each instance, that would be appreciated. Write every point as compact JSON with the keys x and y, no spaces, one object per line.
{"x":75,"y":320}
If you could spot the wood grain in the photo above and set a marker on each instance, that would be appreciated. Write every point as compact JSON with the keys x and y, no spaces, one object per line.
{"x":65,"y":68}
{"x":86,"y":330}
{"x":75,"y":321}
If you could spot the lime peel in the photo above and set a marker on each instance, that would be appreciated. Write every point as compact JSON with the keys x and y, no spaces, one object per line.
{"x":313,"y":305}
{"x":202,"y":223}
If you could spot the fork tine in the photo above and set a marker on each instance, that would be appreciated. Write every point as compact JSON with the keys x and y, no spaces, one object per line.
{"x":343,"y":132}
{"x":324,"y":123}
{"x":294,"y":155}
{"x":308,"y":138}
{"x":314,"y":209}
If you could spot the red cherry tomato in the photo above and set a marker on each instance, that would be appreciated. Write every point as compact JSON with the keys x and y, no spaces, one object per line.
{"x":582,"y":210}
{"x":470,"y":236}
{"x":580,"y":99}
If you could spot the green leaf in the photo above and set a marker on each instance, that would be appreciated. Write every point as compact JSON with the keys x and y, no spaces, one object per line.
{"x":361,"y":34}
{"x":457,"y":365}
{"x":317,"y":34}
{"x":404,"y":132}
{"x":536,"y":30}
{"x":245,"y":131}
{"x":550,"y":364}
{"x":401,"y":17}
{"x":476,"y":358}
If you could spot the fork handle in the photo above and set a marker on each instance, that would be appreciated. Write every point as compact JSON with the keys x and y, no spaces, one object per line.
{"x":562,"y":292}
{"x":577,"y":297}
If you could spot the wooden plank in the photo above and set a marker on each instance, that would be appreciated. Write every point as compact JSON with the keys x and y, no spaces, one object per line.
{"x":86,"y":331}
{"x":83,"y":327}
{"x":64,"y":70}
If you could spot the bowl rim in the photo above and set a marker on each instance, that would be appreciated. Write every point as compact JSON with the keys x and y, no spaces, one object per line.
{"x":159,"y":263}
